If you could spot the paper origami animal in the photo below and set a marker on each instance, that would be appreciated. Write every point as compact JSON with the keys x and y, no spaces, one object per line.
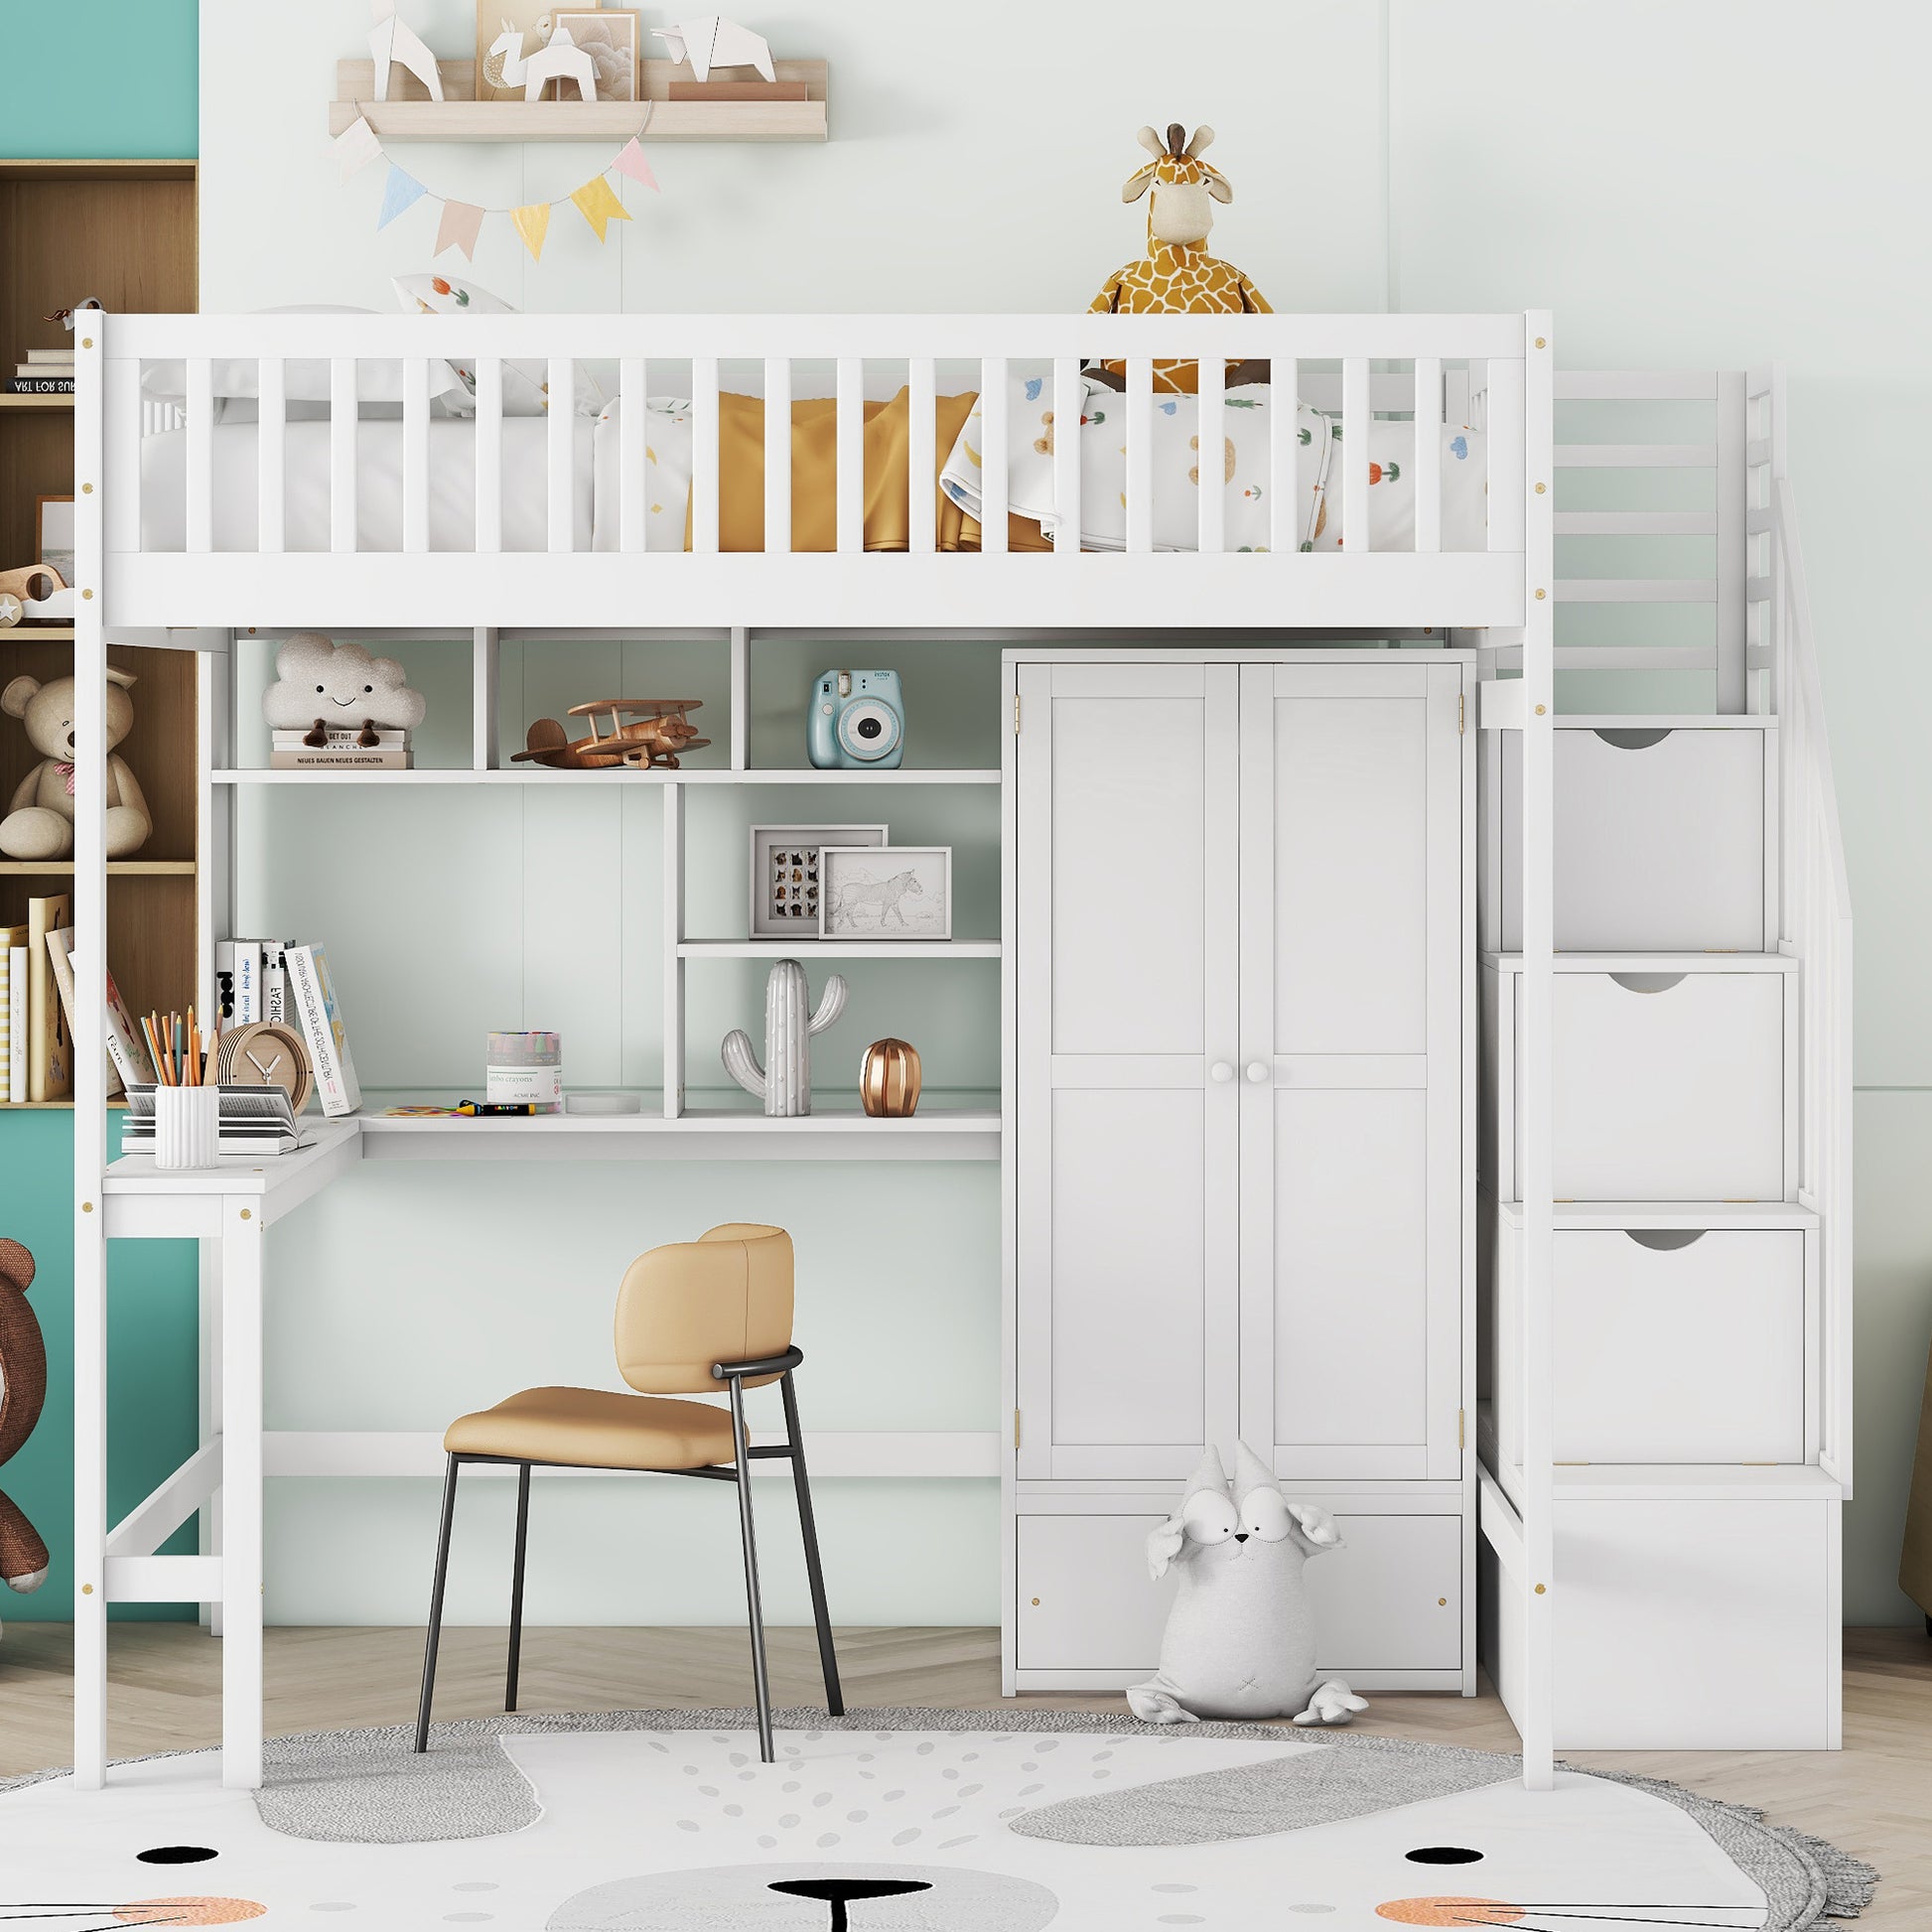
{"x":710,"y":41}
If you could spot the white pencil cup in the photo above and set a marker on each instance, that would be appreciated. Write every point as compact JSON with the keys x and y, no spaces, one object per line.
{"x":186,"y":1124}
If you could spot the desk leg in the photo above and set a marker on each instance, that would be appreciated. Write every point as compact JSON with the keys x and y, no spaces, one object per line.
{"x":89,"y":1501}
{"x":211,"y":1419}
{"x":241,"y":1483}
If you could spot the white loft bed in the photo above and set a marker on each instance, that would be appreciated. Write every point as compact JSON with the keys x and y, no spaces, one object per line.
{"x":1500,"y":598}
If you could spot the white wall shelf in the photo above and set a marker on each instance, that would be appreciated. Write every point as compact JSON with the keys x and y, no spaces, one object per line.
{"x":806,"y":946}
{"x":539,"y":776}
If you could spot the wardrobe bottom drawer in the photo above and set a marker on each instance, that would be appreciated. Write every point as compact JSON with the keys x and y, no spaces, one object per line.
{"x":1389,"y":1600}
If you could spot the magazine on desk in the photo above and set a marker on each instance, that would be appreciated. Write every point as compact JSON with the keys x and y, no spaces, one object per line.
{"x":253,"y":1121}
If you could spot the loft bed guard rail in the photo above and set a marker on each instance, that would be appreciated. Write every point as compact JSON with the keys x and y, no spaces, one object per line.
{"x":411,"y":470}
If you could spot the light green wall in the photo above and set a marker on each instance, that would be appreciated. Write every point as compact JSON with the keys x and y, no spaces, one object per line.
{"x":111,"y":77}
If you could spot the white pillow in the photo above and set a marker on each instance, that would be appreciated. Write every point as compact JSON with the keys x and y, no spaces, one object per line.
{"x":526,"y":383}
{"x":305,"y":381}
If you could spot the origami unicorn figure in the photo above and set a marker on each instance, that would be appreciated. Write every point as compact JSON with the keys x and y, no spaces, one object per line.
{"x":1176,"y":275}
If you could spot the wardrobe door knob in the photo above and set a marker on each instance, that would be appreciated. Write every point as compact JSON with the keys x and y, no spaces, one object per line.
{"x":1220,"y":1071}
{"x":1259,"y":1070}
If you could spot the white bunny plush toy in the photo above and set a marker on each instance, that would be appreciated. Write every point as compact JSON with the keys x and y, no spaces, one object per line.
{"x":1240,"y":1638}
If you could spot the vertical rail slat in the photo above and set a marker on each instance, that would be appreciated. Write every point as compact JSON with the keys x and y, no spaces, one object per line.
{"x":198,"y":474}
{"x":490,"y":455}
{"x":673,"y":928}
{"x":342,"y":454}
{"x":271,"y":444}
{"x":1354,"y":453}
{"x":1068,"y":395}
{"x":921,"y":472}
{"x":1285,"y":509}
{"x":560,"y":491}
{"x":1733,"y":557}
{"x":704,"y":453}
{"x":120,"y":484}
{"x":1502,"y":426}
{"x":1140,"y":455}
{"x":1428,"y":452}
{"x":995,"y":446}
{"x":633,"y":501}
{"x":851,"y":498}
{"x":415,"y":452}
{"x":1210,"y":463}
{"x":778,"y":454}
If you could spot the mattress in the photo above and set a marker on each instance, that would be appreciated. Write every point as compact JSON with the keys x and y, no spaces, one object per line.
{"x":378,"y":493}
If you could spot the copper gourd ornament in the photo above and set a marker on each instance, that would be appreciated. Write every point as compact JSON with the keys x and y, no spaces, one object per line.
{"x":889,"y":1078}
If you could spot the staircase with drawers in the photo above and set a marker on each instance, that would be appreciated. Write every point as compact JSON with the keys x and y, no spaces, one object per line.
{"x":1682,"y":1384}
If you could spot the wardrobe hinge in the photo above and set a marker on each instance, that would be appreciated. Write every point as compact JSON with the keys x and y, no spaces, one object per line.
{"x":1459,"y":701}
{"x":1015,"y":1429}
{"x":1016,"y":714}
{"x":1458,"y":1429}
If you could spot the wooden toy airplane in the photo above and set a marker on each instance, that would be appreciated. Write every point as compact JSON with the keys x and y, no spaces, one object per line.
{"x":639,"y":732}
{"x":19,"y":603}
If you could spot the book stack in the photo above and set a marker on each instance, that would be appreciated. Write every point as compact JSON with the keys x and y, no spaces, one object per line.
{"x":340,"y":748}
{"x":252,"y":1122}
{"x":36,"y":990}
{"x":289,"y":985}
{"x":45,"y":373}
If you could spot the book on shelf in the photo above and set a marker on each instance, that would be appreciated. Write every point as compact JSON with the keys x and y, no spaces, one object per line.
{"x":40,"y":385}
{"x":247,"y":969}
{"x":275,"y":998}
{"x":311,"y":997}
{"x":42,"y":371}
{"x":127,"y":1058}
{"x":224,"y":981}
{"x":346,"y":758}
{"x":13,"y":1069}
{"x":50,"y":1046}
{"x":55,"y":358}
{"x":339,"y":737}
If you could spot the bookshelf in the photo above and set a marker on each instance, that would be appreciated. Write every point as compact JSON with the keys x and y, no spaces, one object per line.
{"x":125,"y":233}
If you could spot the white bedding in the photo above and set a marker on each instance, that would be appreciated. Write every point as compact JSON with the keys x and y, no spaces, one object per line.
{"x":378,"y":501}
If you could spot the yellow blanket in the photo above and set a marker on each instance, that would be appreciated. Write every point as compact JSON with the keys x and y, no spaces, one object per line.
{"x":814,"y":477}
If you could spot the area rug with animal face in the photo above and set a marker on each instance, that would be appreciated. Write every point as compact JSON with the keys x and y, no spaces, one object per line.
{"x":894,"y":1820}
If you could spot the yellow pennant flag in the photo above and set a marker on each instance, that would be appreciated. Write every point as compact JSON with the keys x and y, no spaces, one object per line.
{"x":598,"y":205}
{"x":532,"y":223}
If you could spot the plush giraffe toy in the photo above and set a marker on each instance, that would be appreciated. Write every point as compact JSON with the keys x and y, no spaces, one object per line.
{"x":23,"y":1388}
{"x":1178,"y":276}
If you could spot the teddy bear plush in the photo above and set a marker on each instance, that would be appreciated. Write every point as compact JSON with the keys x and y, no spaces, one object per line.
{"x":39,"y":817}
{"x":335,"y":686}
{"x":23,"y":1388}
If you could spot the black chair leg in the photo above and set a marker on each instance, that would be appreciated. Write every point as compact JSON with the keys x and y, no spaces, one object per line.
{"x":436,"y":1605}
{"x":517,"y":1585}
{"x":828,"y":1662}
{"x":761,"y":1684}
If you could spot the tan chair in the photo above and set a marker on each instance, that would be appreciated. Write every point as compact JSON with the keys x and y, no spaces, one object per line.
{"x":690,"y":1317}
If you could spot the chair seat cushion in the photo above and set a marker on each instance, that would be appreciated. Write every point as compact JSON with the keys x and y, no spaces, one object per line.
{"x":597,"y":1429}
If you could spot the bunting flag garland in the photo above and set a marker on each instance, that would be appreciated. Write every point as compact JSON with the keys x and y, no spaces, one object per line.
{"x":460,"y":223}
{"x":598,"y":205}
{"x":399,"y":192}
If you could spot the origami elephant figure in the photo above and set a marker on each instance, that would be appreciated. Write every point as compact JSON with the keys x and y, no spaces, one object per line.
{"x":23,"y":1388}
{"x":1240,"y":1639}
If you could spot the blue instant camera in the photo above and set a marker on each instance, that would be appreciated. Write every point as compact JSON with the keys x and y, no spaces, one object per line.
{"x":857,"y":720}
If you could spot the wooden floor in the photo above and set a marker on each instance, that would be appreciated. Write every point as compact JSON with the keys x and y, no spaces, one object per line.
{"x":1873,"y":1798}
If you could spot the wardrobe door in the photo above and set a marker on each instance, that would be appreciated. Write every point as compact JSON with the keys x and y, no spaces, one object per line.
{"x":1126,"y":1029}
{"x":1351,"y":1060}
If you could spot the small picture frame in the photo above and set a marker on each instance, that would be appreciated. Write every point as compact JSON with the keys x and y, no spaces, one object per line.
{"x":899,"y":892}
{"x":611,"y":36}
{"x":54,"y":534}
{"x":785,"y":875}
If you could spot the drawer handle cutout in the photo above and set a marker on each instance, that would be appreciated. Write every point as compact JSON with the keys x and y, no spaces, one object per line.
{"x":1648,"y":982}
{"x":1637,"y":738}
{"x":1665,"y":1241}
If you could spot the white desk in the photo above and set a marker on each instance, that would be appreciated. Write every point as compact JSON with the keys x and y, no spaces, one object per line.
{"x":228,"y":1207}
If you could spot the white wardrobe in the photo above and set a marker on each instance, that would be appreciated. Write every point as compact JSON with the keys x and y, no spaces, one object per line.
{"x":1240,"y":1134}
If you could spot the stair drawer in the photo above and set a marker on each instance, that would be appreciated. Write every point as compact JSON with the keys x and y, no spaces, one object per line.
{"x":1388,"y":1602}
{"x":1670,"y":1085}
{"x":1661,"y":838}
{"x":1684,"y":1624}
{"x":1671,"y":1344}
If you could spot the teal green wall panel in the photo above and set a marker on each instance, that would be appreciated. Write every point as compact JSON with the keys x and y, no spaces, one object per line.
{"x":152,"y":1289}
{"x":111,"y":78}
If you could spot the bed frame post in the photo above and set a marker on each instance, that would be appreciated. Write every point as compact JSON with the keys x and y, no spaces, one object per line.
{"x":1538,"y":997}
{"x":89,"y":1066}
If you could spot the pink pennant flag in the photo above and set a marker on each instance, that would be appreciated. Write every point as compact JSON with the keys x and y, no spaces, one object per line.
{"x":631,"y":162}
{"x":356,"y":146}
{"x":459,"y":228}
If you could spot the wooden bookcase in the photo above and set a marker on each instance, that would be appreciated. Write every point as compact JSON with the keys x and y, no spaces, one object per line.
{"x":125,"y":233}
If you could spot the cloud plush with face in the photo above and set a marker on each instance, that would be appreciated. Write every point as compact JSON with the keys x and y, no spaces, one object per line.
{"x":317,"y":677}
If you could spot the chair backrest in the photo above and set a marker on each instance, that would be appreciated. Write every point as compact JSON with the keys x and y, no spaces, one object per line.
{"x":724,"y":1297}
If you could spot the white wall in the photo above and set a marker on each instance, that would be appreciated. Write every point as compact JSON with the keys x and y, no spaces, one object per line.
{"x":1704,"y":184}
